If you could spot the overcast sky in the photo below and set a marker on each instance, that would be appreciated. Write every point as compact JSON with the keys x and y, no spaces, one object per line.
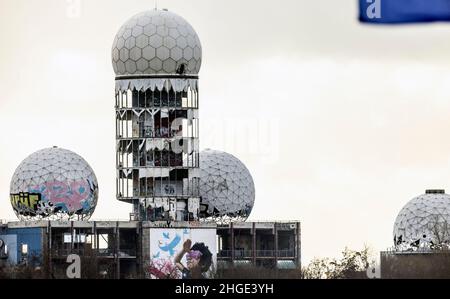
{"x":339,"y":123}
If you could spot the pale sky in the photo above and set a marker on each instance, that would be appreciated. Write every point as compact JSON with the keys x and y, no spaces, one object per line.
{"x":339,"y":123}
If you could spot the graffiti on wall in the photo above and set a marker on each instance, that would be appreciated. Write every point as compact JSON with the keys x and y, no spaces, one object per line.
{"x":3,"y":251}
{"x":77,"y":197}
{"x":169,"y":244}
{"x":168,"y":189}
{"x":25,"y":202}
{"x":173,"y":251}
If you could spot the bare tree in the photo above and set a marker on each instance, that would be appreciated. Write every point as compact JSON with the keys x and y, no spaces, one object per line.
{"x":352,"y":265}
{"x":440,"y":233}
{"x":319,"y":268}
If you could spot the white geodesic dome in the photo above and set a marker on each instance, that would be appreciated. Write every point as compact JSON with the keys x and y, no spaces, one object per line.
{"x":226,"y":187}
{"x":424,"y":220}
{"x":156,"y":42}
{"x":54,"y":183}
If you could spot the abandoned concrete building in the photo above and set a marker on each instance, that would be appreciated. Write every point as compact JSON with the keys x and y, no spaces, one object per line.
{"x":124,"y":249}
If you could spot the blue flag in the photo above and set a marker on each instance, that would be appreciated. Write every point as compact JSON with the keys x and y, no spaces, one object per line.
{"x":403,"y":11}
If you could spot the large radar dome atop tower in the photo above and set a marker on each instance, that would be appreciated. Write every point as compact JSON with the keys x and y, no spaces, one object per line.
{"x":156,"y":43}
{"x":156,"y":57}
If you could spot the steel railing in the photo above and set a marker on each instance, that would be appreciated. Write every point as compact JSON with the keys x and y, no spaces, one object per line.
{"x":238,"y":253}
{"x":104,"y":252}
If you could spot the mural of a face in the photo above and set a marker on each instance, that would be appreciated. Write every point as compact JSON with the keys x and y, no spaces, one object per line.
{"x":54,"y":184}
{"x":193,"y":260}
{"x":166,"y":243}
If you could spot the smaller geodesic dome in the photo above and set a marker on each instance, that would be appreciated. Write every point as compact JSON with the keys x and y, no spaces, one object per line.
{"x":54,"y":184}
{"x":424,"y":221}
{"x":227,"y":190}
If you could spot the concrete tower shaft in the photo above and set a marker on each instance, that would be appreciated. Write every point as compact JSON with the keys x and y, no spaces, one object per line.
{"x":157,"y":128}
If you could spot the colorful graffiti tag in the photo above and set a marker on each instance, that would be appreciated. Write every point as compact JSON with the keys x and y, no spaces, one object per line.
{"x":25,"y":202}
{"x":77,"y":197}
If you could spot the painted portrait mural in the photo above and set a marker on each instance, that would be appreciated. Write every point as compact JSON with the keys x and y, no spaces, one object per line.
{"x":182,"y":253}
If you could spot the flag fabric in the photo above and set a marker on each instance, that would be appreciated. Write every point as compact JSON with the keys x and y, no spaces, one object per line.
{"x":403,"y":11}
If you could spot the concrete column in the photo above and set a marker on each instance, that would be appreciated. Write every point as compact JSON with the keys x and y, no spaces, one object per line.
{"x":275,"y":228}
{"x":49,"y":250}
{"x":94,"y":235}
{"x":146,"y":245}
{"x":298,"y":236}
{"x":71,"y":236}
{"x":97,"y":237}
{"x":232,"y":242}
{"x":254,"y":243}
{"x":117,"y":251}
{"x":139,"y":258}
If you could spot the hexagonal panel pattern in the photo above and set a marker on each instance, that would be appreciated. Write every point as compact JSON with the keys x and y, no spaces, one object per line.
{"x":162,"y":38}
{"x":54,"y":184}
{"x":423,"y":220}
{"x":226,"y":187}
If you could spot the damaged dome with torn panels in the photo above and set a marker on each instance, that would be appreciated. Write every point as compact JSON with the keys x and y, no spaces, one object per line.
{"x":54,"y":184}
{"x":226,"y":187}
{"x":426,"y":218}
